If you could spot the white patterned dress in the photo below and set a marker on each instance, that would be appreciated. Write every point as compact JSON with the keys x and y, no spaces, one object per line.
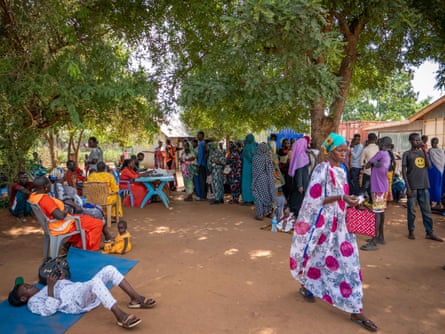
{"x":324,"y":256}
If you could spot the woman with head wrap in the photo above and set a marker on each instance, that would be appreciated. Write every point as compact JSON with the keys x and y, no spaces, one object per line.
{"x":188,"y":169}
{"x":246,"y":179}
{"x":216,"y":163}
{"x":234,"y":161}
{"x":263,"y":183}
{"x":324,"y":256}
{"x":299,"y":173}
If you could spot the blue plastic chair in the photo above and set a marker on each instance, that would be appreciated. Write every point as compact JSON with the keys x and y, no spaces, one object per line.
{"x":125,"y":191}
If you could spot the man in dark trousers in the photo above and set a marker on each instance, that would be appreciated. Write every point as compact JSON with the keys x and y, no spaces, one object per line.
{"x":415,"y":173}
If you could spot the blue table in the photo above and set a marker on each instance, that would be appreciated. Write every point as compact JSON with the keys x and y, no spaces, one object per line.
{"x":149,"y":181}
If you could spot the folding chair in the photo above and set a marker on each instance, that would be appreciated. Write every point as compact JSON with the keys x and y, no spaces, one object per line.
{"x":97,"y":193}
{"x":124,"y":188}
{"x":53,"y":242}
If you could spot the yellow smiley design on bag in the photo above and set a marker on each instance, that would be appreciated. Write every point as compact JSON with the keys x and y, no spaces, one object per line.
{"x":419,"y":162}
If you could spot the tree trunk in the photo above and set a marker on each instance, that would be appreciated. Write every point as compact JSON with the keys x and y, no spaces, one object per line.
{"x":323,"y":122}
{"x":49,"y":136}
{"x":73,"y":147}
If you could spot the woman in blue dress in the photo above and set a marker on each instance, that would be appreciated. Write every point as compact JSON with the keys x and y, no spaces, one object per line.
{"x":246,"y":181}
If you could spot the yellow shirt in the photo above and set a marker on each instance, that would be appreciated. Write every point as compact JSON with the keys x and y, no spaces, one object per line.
{"x":118,"y":246}
{"x":113,"y":187}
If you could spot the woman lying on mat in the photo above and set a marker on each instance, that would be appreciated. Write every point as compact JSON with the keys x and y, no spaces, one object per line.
{"x":77,"y":297}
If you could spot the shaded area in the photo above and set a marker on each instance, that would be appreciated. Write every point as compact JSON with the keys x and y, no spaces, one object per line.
{"x":213,"y":270}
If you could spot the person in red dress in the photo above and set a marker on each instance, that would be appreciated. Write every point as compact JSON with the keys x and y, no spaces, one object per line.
{"x":138,"y":189}
{"x":74,"y":176}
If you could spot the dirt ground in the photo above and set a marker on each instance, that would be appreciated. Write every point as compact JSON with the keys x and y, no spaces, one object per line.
{"x":213,"y":270}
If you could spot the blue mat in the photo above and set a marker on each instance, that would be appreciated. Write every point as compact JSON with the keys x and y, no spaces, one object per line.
{"x":83,"y":265}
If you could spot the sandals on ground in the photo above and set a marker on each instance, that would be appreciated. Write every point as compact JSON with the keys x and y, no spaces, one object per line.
{"x":307,"y":295}
{"x":366,"y":324}
{"x":145,"y":303}
{"x":369,"y":247}
{"x":130,"y":322}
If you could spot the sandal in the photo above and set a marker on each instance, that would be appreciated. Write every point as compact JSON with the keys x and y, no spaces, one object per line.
{"x":366,"y":324}
{"x":145,"y":303}
{"x":369,"y":247}
{"x":307,"y":295}
{"x":130,"y":322}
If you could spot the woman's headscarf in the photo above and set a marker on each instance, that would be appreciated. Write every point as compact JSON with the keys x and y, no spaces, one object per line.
{"x":212,"y":146}
{"x":333,"y":141}
{"x":262,"y":148}
{"x":261,"y":158}
{"x":299,"y":156}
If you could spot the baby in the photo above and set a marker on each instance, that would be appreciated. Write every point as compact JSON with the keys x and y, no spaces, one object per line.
{"x":286,"y":222}
{"x":122,"y":243}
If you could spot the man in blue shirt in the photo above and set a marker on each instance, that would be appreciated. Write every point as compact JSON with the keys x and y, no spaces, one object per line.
{"x":202,"y":166}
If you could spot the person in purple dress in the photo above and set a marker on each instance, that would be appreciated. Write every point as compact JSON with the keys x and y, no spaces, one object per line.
{"x":379,"y":165}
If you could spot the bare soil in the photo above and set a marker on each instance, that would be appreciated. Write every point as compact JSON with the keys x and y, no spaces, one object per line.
{"x":213,"y":270}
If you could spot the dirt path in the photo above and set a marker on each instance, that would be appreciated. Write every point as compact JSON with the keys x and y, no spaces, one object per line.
{"x":213,"y":270}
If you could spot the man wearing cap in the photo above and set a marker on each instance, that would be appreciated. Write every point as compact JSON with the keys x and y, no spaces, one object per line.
{"x":77,"y":297}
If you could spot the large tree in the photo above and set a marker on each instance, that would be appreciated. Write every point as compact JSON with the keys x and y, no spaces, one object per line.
{"x":68,"y":62}
{"x":260,"y":71}
{"x":267,"y":62}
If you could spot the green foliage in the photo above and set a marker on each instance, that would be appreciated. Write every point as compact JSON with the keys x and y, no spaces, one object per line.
{"x":67,"y":63}
{"x":261,"y":73}
{"x":394,"y":100}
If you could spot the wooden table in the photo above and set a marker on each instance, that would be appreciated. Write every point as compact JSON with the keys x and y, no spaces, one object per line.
{"x":153,"y":188}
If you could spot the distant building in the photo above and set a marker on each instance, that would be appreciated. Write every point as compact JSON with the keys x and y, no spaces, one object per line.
{"x":349,"y":128}
{"x":429,"y":121}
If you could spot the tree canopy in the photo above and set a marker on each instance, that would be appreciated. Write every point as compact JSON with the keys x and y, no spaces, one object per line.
{"x":230,"y":66}
{"x":68,"y":63}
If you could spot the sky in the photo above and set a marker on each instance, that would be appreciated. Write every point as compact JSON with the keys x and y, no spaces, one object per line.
{"x":424,"y":81}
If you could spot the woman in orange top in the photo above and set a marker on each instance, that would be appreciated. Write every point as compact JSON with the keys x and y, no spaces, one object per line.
{"x":55,"y":209}
{"x":138,"y":189}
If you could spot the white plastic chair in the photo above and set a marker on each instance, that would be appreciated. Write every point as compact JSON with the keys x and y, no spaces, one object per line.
{"x":53,"y":242}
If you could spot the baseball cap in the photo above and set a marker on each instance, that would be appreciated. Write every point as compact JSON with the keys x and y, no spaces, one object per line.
{"x":13,"y":297}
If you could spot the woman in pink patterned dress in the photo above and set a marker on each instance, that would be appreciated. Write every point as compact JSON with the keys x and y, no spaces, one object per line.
{"x":324,"y":256}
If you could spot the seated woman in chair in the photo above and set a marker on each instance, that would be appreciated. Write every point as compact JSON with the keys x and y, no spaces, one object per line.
{"x":138,"y":189}
{"x":20,"y":191}
{"x":74,"y":176}
{"x":55,"y":209}
{"x":101,"y":175}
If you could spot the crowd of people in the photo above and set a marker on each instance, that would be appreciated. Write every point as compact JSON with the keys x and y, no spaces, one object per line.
{"x":284,"y":181}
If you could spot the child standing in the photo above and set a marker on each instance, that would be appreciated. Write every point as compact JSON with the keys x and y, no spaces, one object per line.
{"x":281,"y":202}
{"x":122,"y":243}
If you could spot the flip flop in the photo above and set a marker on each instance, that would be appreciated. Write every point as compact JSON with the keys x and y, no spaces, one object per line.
{"x":146,"y":303}
{"x":130,"y":322}
{"x":366,"y":324}
{"x":307,"y":295}
{"x":369,"y":247}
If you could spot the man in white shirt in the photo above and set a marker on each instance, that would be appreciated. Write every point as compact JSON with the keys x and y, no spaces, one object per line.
{"x":369,"y":151}
{"x":356,"y":164}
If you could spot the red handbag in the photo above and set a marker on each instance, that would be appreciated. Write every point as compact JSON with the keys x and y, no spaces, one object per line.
{"x":360,"y":221}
